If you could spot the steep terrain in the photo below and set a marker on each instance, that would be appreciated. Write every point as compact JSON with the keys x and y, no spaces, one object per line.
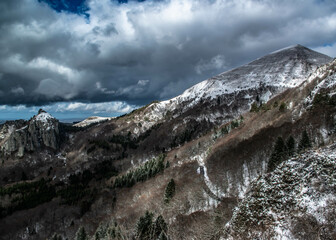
{"x":189,"y":161}
{"x":40,"y":131}
{"x":295,"y":201}
{"x":91,"y":120}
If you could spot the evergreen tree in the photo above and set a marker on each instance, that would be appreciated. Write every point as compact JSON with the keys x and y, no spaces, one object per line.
{"x":81,"y":234}
{"x":144,"y":227}
{"x":290,"y":144}
{"x":160,"y":227}
{"x":170,"y":191}
{"x":305,"y":141}
{"x":279,"y":153}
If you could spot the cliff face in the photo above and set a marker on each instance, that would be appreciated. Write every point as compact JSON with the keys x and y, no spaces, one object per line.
{"x":40,"y":131}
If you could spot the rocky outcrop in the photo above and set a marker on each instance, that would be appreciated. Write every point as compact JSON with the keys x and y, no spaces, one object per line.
{"x":8,"y":127}
{"x":39,"y":132}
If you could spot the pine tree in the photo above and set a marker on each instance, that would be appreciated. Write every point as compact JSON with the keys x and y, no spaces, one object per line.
{"x":305,"y":141}
{"x":145,"y":226}
{"x":160,"y":227}
{"x":170,"y":191}
{"x":279,"y":153}
{"x":81,"y":234}
{"x":290,"y":144}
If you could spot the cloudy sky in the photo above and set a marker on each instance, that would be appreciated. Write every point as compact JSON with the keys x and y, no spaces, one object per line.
{"x":78,"y":58}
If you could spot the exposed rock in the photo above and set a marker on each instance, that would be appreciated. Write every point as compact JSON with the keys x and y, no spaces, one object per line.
{"x":40,"y":131}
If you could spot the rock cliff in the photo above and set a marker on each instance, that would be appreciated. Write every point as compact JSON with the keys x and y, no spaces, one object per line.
{"x":40,"y":131}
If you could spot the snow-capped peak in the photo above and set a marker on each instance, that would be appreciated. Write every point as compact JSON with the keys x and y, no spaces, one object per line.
{"x":265,"y":77}
{"x":287,"y":48}
{"x":43,"y":116}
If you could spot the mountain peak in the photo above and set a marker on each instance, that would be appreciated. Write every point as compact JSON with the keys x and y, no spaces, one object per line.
{"x":293,"y":53}
{"x":263,"y":78}
{"x":43,"y":116}
{"x":290,"y":47}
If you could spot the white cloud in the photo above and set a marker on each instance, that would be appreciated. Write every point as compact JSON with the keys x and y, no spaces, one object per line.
{"x":96,"y":108}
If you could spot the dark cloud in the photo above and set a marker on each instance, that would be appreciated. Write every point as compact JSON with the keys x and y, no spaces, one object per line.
{"x":138,"y":52}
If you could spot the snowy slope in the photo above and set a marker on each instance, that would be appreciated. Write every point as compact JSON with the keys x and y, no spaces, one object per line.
{"x":326,"y":81}
{"x":295,"y":201}
{"x":269,"y":75}
{"x":43,"y":117}
{"x":91,"y":120}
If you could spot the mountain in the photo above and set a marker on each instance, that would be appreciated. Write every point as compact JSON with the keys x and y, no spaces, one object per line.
{"x":260,"y":79}
{"x":41,"y":130}
{"x":246,"y":154}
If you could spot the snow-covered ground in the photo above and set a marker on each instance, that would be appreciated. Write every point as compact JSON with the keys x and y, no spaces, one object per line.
{"x":301,"y":190}
{"x":43,"y":117}
{"x":92,"y":120}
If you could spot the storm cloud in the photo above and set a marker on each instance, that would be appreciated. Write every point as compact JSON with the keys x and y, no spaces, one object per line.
{"x":142,"y":51}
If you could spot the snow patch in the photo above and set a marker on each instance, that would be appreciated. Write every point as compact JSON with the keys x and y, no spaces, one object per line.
{"x":44,"y":117}
{"x":92,"y":120}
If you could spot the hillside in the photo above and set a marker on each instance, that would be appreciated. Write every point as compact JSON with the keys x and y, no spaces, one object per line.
{"x":198,"y":163}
